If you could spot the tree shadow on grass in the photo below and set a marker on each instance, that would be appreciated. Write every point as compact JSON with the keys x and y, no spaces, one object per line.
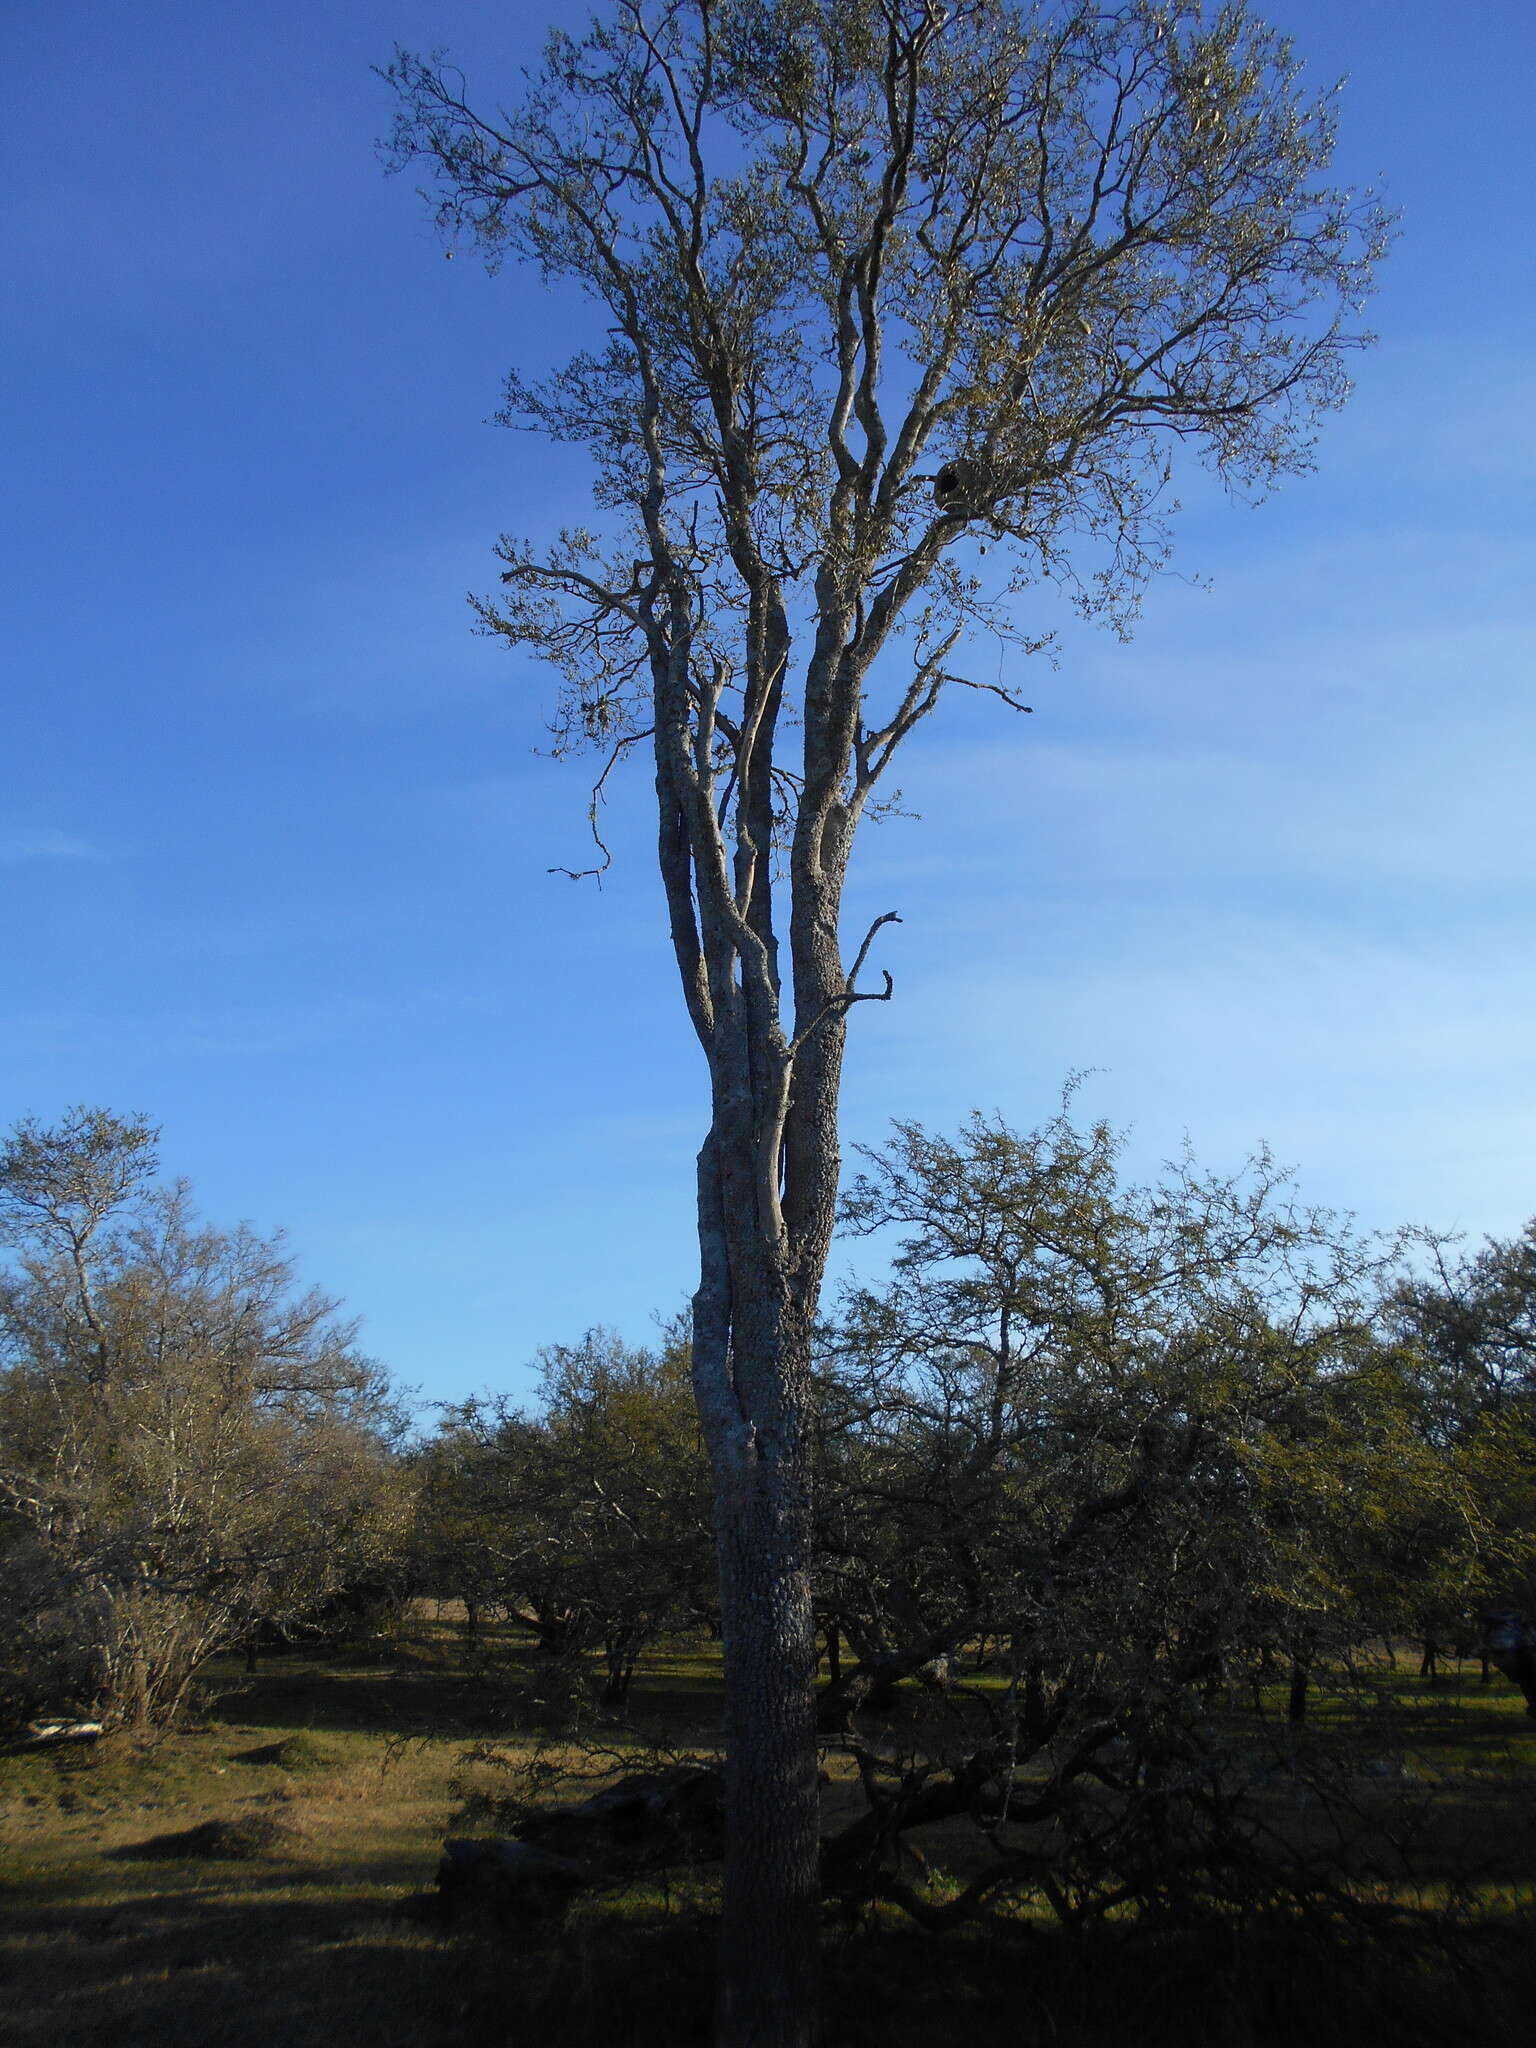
{"x":1189,"y":1984}
{"x":242,"y":1840}
{"x":288,"y":1965}
{"x":301,"y":1695}
{"x":281,"y":1957}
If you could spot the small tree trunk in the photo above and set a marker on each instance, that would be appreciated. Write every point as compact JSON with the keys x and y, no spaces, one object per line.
{"x":619,"y":1660}
{"x":250,"y":1651}
{"x":138,"y":1702}
{"x":471,"y":1620}
{"x":834,"y":1653}
{"x":1296,"y":1700}
{"x":1429,"y":1663}
{"x":1034,"y":1699}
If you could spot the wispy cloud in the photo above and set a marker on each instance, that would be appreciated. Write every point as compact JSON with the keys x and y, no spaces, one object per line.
{"x":1395,"y":1074}
{"x":43,"y":842}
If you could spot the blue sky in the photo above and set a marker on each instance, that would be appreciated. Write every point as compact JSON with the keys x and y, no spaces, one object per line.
{"x":274,"y":833}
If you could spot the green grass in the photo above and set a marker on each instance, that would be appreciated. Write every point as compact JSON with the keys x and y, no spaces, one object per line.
{"x":114,"y":1928}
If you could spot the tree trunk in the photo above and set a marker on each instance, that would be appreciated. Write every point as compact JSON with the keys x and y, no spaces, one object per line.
{"x":619,"y":1655}
{"x":1296,"y":1701}
{"x":770,"y":1932}
{"x":834,"y":1653}
{"x":751,"y":1368}
{"x":1033,"y":1700}
{"x":770,"y":1939}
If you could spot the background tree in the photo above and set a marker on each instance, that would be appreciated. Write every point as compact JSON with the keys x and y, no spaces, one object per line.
{"x":458,"y":1543}
{"x":188,"y":1447}
{"x":1144,"y":1442}
{"x":587,"y":1523}
{"x":875,"y":282}
{"x":623,"y":1449}
{"x":1469,"y":1325}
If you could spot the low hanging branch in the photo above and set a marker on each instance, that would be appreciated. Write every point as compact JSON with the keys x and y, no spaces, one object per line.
{"x":594,"y":800}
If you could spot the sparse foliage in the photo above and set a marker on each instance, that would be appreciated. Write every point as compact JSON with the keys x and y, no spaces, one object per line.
{"x":586,"y":1524}
{"x":187,"y":1446}
{"x":1148,"y":1445}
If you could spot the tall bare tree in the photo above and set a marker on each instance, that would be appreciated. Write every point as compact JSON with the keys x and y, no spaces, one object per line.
{"x":876,"y":283}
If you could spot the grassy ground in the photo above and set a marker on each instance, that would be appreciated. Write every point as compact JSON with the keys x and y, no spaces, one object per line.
{"x":107,"y":1937}
{"x":343,"y":1775}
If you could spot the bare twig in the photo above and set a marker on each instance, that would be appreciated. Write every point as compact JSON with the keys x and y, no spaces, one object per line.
{"x":840,"y":1005}
{"x":597,"y":873}
{"x":992,"y":690}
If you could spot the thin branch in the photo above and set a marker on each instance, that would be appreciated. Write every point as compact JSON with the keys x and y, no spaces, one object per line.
{"x":992,"y":690}
{"x":597,"y":873}
{"x":840,"y":1005}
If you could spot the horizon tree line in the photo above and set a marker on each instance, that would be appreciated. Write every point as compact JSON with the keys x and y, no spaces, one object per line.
{"x":1142,"y":1442}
